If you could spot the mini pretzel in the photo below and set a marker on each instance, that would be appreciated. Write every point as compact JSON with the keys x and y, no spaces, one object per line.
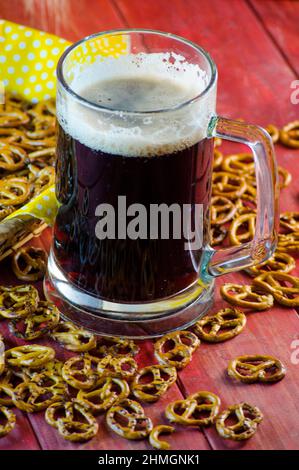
{"x":40,"y":134}
{"x":21,"y":173}
{"x":10,"y":135}
{"x":251,"y":179}
{"x":217,"y":235}
{"x":127,"y":419}
{"x":246,"y":296}
{"x":285,"y":177}
{"x":14,"y":191}
{"x":194,"y":409}
{"x":41,"y":128}
{"x":33,"y":356}
{"x":12,"y":158}
{"x":279,"y":261}
{"x":222,"y":210}
{"x":9,"y":421}
{"x":77,"y":372}
{"x":290,"y":221}
{"x":45,"y":153}
{"x":288,"y":242}
{"x":176,"y":348}
{"x":240,"y":163}
{"x":73,"y":338}
{"x":34,"y":171}
{"x":273,"y":132}
{"x":26,"y":140}
{"x":53,"y":367}
{"x":108,"y":391}
{"x":18,"y":302}
{"x":160,"y":378}
{"x":30,"y":397}
{"x":8,"y":381}
{"x":225,"y":324}
{"x":13,"y":117}
{"x":38,"y":323}
{"x":42,"y":124}
{"x":289,"y":135}
{"x":248,"y":417}
{"x":45,"y":179}
{"x":13,"y":100}
{"x":50,"y":380}
{"x":25,"y":373}
{"x":121,"y":367}
{"x":5,"y":211}
{"x":218,"y":159}
{"x":6,"y":393}
{"x":228,"y":185}
{"x":155,"y":435}
{"x":29,"y":263}
{"x":2,"y":355}
{"x":245,"y":206}
{"x":116,"y":347}
{"x":44,"y":109}
{"x":46,"y":376}
{"x":242,"y":229}
{"x":257,"y":368}
{"x":277,"y":284}
{"x":250,"y":193}
{"x":77,"y":424}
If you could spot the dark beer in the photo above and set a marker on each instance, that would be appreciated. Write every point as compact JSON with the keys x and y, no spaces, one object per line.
{"x":127,"y":270}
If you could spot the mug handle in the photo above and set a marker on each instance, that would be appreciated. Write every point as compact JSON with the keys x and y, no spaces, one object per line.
{"x":263,"y":244}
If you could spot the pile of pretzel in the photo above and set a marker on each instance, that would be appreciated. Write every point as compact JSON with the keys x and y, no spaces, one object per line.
{"x":234,"y":196}
{"x":103,"y":377}
{"x":233,"y":216}
{"x":27,"y":151}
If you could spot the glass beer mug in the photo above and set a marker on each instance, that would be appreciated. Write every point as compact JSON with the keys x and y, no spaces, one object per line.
{"x":136,"y":121}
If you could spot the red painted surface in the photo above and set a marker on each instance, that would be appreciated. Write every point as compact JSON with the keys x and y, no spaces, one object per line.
{"x":246,"y":41}
{"x":281,"y":20}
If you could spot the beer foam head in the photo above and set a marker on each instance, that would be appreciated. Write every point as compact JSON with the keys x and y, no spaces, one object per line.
{"x":141,"y":104}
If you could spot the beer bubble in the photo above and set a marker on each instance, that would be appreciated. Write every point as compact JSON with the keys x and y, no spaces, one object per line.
{"x":139,"y":104}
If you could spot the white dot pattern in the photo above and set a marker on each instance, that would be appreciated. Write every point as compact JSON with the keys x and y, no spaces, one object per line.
{"x":30,"y":57}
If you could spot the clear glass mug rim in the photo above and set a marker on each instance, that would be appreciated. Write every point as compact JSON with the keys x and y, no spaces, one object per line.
{"x":85,"y":102}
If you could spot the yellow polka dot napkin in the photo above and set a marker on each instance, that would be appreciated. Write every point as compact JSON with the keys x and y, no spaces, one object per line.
{"x":28,"y":60}
{"x":43,"y":207}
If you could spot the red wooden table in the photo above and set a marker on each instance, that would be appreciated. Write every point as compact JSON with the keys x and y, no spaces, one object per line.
{"x":256,"y":47}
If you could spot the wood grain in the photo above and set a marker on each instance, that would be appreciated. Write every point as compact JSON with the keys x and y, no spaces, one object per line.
{"x":49,"y":438}
{"x":281,"y":20}
{"x":257,"y":97}
{"x":271,"y":333}
{"x":70,"y":19}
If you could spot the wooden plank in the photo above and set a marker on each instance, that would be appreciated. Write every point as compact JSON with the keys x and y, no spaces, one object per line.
{"x":281,"y":20}
{"x":249,"y":66}
{"x":248,"y":62}
{"x":271,"y":333}
{"x":66,"y":18}
{"x":90,"y":17}
{"x":22,"y":437}
{"x":105,"y":439}
{"x":254,"y":80}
